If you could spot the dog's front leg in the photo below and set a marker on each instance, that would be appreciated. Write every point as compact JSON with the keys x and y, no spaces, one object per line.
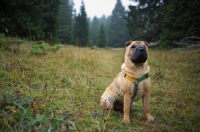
{"x":146,"y":101}
{"x":127,"y":102}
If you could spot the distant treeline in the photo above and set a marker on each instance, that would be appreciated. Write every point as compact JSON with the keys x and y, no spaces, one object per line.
{"x":56,"y":21}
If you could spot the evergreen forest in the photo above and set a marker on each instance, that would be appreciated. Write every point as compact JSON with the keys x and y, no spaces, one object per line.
{"x":56,"y":21}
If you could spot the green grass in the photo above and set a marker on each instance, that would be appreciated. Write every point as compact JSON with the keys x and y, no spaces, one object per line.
{"x":60,"y":90}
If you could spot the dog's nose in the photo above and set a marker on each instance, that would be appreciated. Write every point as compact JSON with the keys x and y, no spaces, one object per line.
{"x":140,"y":48}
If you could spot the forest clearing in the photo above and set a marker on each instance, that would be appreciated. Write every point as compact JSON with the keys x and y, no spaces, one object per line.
{"x":56,"y":60}
{"x":59,"y":89}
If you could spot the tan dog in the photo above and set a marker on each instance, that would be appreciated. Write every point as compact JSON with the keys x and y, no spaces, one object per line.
{"x":132,"y":83}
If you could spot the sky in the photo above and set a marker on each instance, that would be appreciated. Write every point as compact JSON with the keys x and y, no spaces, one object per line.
{"x":100,"y":7}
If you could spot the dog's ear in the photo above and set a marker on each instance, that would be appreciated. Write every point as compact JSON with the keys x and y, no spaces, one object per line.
{"x":145,"y":43}
{"x":128,"y":43}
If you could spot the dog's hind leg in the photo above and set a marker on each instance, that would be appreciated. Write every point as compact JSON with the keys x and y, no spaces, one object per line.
{"x":107,"y":100}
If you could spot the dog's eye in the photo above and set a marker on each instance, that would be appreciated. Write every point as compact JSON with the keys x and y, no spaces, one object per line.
{"x":133,"y":47}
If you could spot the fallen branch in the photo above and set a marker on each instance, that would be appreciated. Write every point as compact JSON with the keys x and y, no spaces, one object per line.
{"x":193,"y":40}
{"x":191,"y":37}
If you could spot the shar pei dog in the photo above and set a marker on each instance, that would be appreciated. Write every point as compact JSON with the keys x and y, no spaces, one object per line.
{"x":132,"y":83}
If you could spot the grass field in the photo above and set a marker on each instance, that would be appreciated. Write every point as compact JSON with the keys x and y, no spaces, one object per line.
{"x":59,"y":90}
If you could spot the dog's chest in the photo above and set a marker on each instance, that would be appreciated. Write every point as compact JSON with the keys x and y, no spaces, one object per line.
{"x":136,"y":93}
{"x":139,"y":94}
{"x":119,"y":92}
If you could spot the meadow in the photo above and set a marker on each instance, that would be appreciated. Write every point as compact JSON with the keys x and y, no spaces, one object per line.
{"x":58,"y":89}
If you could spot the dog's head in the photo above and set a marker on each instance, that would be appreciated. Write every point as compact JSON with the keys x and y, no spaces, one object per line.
{"x":137,"y":51}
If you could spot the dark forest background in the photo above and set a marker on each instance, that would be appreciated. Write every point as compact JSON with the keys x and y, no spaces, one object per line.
{"x":56,"y":21}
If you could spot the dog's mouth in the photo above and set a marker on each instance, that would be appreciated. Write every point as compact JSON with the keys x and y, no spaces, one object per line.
{"x":140,"y":55}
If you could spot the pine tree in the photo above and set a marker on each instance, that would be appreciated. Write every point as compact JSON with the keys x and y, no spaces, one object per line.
{"x":81,"y":30}
{"x":145,"y":19}
{"x":102,"y":20}
{"x":118,"y":32}
{"x":66,"y":12}
{"x":36,"y":19}
{"x":101,"y":37}
{"x":51,"y":17}
{"x":94,"y":30}
{"x":181,"y":20}
{"x":22,"y":18}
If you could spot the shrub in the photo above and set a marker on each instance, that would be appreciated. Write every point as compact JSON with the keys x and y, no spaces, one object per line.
{"x":10,"y":44}
{"x":41,"y":48}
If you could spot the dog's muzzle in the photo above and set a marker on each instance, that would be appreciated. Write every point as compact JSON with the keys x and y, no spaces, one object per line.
{"x":140,"y":55}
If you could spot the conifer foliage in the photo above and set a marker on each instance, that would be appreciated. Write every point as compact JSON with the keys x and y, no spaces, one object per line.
{"x":118,"y":33}
{"x":81,"y":29}
{"x":164,"y":20}
{"x":145,"y":19}
{"x":66,"y":25}
{"x":35,"y":19}
{"x":101,"y":37}
{"x":95,"y":24}
{"x":181,"y":20}
{"x":55,"y":21}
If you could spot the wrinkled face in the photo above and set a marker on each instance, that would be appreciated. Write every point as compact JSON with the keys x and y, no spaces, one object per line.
{"x":137,"y":51}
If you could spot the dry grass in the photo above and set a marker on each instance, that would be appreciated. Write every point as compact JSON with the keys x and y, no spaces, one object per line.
{"x":60,"y":91}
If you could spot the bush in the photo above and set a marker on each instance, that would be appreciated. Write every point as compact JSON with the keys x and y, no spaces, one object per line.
{"x":10,"y":43}
{"x":41,"y":48}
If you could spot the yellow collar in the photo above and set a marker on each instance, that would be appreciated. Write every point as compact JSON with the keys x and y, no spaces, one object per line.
{"x":137,"y":80}
{"x":133,"y":80}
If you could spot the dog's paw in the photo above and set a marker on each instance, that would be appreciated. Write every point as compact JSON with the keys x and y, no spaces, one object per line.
{"x":126,"y":119}
{"x":150,"y":118}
